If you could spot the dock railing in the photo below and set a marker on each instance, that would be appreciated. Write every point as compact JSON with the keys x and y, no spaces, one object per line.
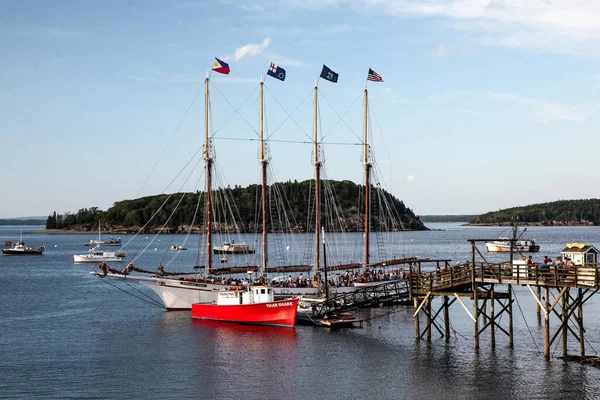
{"x":516,"y":273}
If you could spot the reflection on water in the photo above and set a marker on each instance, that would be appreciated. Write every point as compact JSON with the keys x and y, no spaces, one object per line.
{"x":64,"y":333}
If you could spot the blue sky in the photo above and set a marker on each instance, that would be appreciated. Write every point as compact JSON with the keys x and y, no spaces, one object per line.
{"x":485,"y":104}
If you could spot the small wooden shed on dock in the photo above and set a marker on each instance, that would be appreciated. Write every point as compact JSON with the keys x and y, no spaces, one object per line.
{"x":580,"y":254}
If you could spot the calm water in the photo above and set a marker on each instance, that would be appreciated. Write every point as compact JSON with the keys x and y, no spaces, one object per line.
{"x":64,"y":333}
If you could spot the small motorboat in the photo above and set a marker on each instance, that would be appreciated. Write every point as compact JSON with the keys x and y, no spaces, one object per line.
{"x":176,"y":247}
{"x":97,"y":255}
{"x":19,"y":249}
{"x":515,"y":244}
{"x":233,"y":248}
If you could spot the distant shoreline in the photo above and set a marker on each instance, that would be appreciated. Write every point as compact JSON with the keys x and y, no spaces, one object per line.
{"x":550,"y":223}
{"x":60,"y":232}
{"x":120,"y":232}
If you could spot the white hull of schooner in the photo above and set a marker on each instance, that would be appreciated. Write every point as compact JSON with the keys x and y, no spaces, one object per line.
{"x":176,"y":294}
{"x":180,"y":294}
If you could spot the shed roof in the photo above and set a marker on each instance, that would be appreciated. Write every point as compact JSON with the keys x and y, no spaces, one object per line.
{"x":579,"y":248}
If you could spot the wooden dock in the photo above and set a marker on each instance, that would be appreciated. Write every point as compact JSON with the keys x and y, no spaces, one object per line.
{"x":477,"y":280}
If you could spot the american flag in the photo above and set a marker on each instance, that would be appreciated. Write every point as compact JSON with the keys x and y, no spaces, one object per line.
{"x":374,"y":76}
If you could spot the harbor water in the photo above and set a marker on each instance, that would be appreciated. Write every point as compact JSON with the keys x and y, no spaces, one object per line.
{"x":67,"y":334}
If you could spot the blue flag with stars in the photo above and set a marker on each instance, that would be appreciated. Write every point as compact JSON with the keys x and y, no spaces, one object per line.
{"x":276,"y":72}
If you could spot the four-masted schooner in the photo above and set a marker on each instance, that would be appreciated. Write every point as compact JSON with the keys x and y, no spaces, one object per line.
{"x":179,"y":293}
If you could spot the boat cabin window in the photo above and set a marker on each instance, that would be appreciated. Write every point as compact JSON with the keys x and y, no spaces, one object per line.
{"x":262,"y":291}
{"x":269,"y":291}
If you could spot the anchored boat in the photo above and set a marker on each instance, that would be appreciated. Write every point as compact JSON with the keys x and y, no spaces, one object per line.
{"x":253,"y":306}
{"x":516,"y":243}
{"x":176,"y":247}
{"x":234,"y":248}
{"x":19,"y":249}
{"x":97,"y":255}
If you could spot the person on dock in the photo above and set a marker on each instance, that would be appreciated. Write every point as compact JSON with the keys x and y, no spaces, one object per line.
{"x":558,"y":262}
{"x":569,"y":263}
{"x":558,"y":265}
{"x":544,"y":268}
{"x":529,"y":260}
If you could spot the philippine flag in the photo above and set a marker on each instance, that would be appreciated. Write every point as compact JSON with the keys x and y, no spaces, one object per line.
{"x":220,"y":66}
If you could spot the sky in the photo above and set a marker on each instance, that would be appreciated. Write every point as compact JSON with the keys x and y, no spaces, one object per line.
{"x":485,"y":104}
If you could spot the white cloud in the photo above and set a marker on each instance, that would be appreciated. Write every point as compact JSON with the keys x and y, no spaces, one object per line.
{"x":251,"y":49}
{"x":567,"y":26}
{"x":410,"y":178}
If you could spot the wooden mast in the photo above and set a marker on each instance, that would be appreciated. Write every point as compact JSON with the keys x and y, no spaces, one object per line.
{"x":317,"y":184}
{"x":367,"y":179}
{"x":208,"y":204}
{"x":264,"y":163}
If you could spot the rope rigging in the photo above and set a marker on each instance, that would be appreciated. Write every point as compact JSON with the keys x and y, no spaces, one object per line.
{"x":171,"y":140}
{"x":526,"y":324}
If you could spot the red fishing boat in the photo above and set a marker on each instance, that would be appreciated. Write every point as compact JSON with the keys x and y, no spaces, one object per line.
{"x":253,"y":306}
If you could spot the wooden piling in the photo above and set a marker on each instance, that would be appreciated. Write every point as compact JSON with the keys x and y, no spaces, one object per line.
{"x":538,"y":308}
{"x":580,"y":321}
{"x":417,"y":326}
{"x":493,"y":318}
{"x":428,"y":307}
{"x":565,"y":321}
{"x":546,"y":325}
{"x":446,"y":318}
{"x":510,"y":320}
